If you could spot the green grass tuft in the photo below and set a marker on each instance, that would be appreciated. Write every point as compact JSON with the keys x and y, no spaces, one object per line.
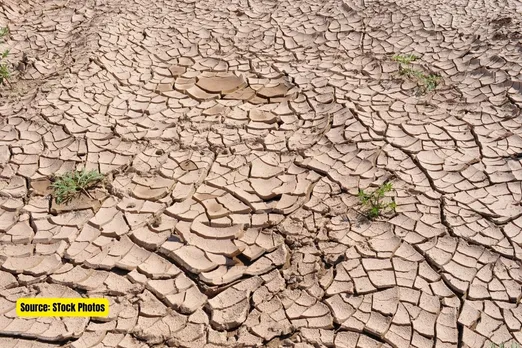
{"x":404,"y":58}
{"x":4,"y":66}
{"x":67,"y":186}
{"x":513,"y":345}
{"x":426,"y":82}
{"x":374,"y":203}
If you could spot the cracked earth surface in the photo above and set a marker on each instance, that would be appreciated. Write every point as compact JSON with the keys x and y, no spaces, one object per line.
{"x":235,"y":137}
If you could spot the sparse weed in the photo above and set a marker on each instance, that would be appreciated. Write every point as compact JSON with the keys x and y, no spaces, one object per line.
{"x":404,"y":58}
{"x":426,"y":82}
{"x":374,"y":201}
{"x":513,"y":345}
{"x":430,"y":81}
{"x":67,"y":186}
{"x":4,"y":67}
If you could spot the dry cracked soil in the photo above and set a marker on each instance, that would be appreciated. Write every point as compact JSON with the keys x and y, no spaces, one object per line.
{"x":234,"y":137}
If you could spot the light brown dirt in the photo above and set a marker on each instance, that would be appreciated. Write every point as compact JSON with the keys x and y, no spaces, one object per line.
{"x":235,"y":137}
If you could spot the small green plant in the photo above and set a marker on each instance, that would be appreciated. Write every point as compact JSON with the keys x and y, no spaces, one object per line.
{"x":67,"y":186}
{"x":4,"y":67}
{"x":374,"y":201}
{"x":426,"y":82}
{"x":513,"y":345}
{"x":405,"y":58}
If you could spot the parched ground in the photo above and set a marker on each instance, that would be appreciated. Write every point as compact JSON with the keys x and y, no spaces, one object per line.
{"x":234,"y":136}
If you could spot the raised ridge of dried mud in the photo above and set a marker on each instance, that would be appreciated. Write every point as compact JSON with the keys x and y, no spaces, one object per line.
{"x":235,"y":136}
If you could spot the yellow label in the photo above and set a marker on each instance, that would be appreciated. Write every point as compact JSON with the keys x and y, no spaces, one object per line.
{"x":62,"y":307}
